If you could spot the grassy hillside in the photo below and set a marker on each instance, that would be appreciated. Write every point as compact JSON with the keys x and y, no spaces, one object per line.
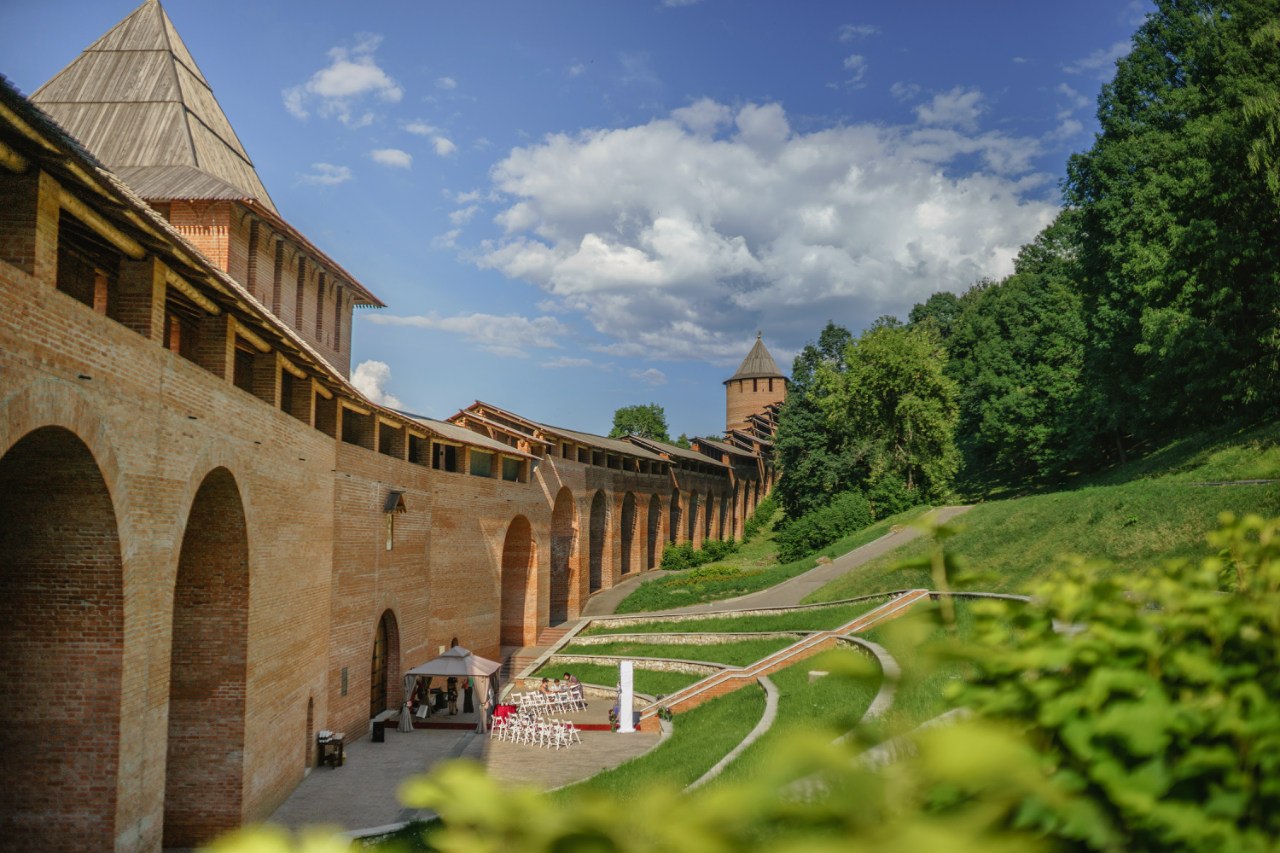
{"x":753,"y":568}
{"x":1133,"y":516}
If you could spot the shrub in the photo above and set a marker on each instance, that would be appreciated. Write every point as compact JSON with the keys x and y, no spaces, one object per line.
{"x":717,"y":549}
{"x":888,"y":496}
{"x":683,"y":556}
{"x":678,"y":557}
{"x":765,"y":511}
{"x":1156,"y":706}
{"x":820,"y":527}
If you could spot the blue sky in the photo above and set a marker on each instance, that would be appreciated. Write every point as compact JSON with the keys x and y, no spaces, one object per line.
{"x":573,"y":206}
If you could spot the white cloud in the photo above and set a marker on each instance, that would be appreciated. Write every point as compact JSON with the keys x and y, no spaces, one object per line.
{"x":336,"y":90}
{"x":1020,"y":60}
{"x":960,"y":107}
{"x":1101,"y":62}
{"x":441,"y":144}
{"x":1067,"y":129}
{"x":566,"y":361}
{"x":703,"y":117}
{"x":849,"y":32}
{"x":1075,"y":100}
{"x":463,"y":215}
{"x":652,"y":376}
{"x":671,"y":242}
{"x":857,"y":67}
{"x":446,"y":83}
{"x":393,"y":157}
{"x":905,"y":91}
{"x":576,"y":70}
{"x":327,"y":174}
{"x":447,"y":240}
{"x":676,"y":4}
{"x":371,"y":379}
{"x":509,"y":335}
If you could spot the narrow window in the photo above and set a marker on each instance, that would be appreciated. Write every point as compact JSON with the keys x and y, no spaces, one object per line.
{"x":320,"y":286}
{"x":277,"y":279}
{"x":298,"y":294}
{"x":243,"y":377}
{"x":337,"y":318}
{"x":252,"y":275}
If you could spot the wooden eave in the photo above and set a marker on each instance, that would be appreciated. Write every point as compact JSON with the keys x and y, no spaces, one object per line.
{"x":29,"y":133}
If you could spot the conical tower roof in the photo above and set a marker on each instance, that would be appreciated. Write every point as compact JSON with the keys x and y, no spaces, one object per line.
{"x":758,"y":364}
{"x":136,"y":99}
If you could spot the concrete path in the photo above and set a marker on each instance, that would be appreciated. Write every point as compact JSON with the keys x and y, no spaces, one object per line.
{"x":789,"y":592}
{"x":555,"y":768}
{"x":362,"y":792}
{"x":606,"y":602}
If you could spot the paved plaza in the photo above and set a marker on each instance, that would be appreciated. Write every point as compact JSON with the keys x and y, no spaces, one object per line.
{"x":362,"y":793}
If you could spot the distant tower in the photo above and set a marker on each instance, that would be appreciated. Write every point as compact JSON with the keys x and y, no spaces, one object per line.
{"x":757,"y":384}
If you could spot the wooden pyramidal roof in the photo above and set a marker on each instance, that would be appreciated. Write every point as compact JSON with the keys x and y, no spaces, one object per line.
{"x":137,"y":100}
{"x":758,"y":364}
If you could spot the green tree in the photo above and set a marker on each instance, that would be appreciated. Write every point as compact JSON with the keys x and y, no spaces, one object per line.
{"x":895,"y":399}
{"x":941,"y":309}
{"x":1016,"y":352}
{"x":645,"y":420}
{"x":817,"y":462}
{"x":1180,"y":225}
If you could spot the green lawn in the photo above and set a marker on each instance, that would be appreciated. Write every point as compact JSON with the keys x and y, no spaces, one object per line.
{"x":650,"y":681}
{"x":734,"y":652}
{"x":926,"y":673}
{"x":815,"y":619}
{"x":1156,"y":514}
{"x":830,"y":705}
{"x":753,"y":568}
{"x":699,"y":739}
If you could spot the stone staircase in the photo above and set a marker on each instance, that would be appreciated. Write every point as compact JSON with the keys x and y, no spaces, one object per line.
{"x":553,"y":634}
{"x":735,"y":678}
{"x":515,"y":659}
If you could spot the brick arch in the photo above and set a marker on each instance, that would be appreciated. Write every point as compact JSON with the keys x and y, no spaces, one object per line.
{"x":61,"y":643}
{"x":653,"y":538}
{"x":208,"y":667}
{"x":708,"y":517}
{"x":597,"y":534}
{"x":673,"y":521}
{"x":726,"y":532}
{"x":627,"y":530}
{"x":385,"y":688}
{"x":564,"y":555}
{"x":692,"y":520}
{"x":734,"y":508}
{"x":519,"y":608}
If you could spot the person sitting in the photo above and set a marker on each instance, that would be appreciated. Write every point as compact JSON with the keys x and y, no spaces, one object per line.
{"x":545,"y":687}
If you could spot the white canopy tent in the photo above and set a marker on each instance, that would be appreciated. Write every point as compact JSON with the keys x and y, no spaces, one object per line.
{"x":458,"y":663}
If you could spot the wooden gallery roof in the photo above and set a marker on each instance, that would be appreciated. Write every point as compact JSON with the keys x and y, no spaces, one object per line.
{"x":137,"y":99}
